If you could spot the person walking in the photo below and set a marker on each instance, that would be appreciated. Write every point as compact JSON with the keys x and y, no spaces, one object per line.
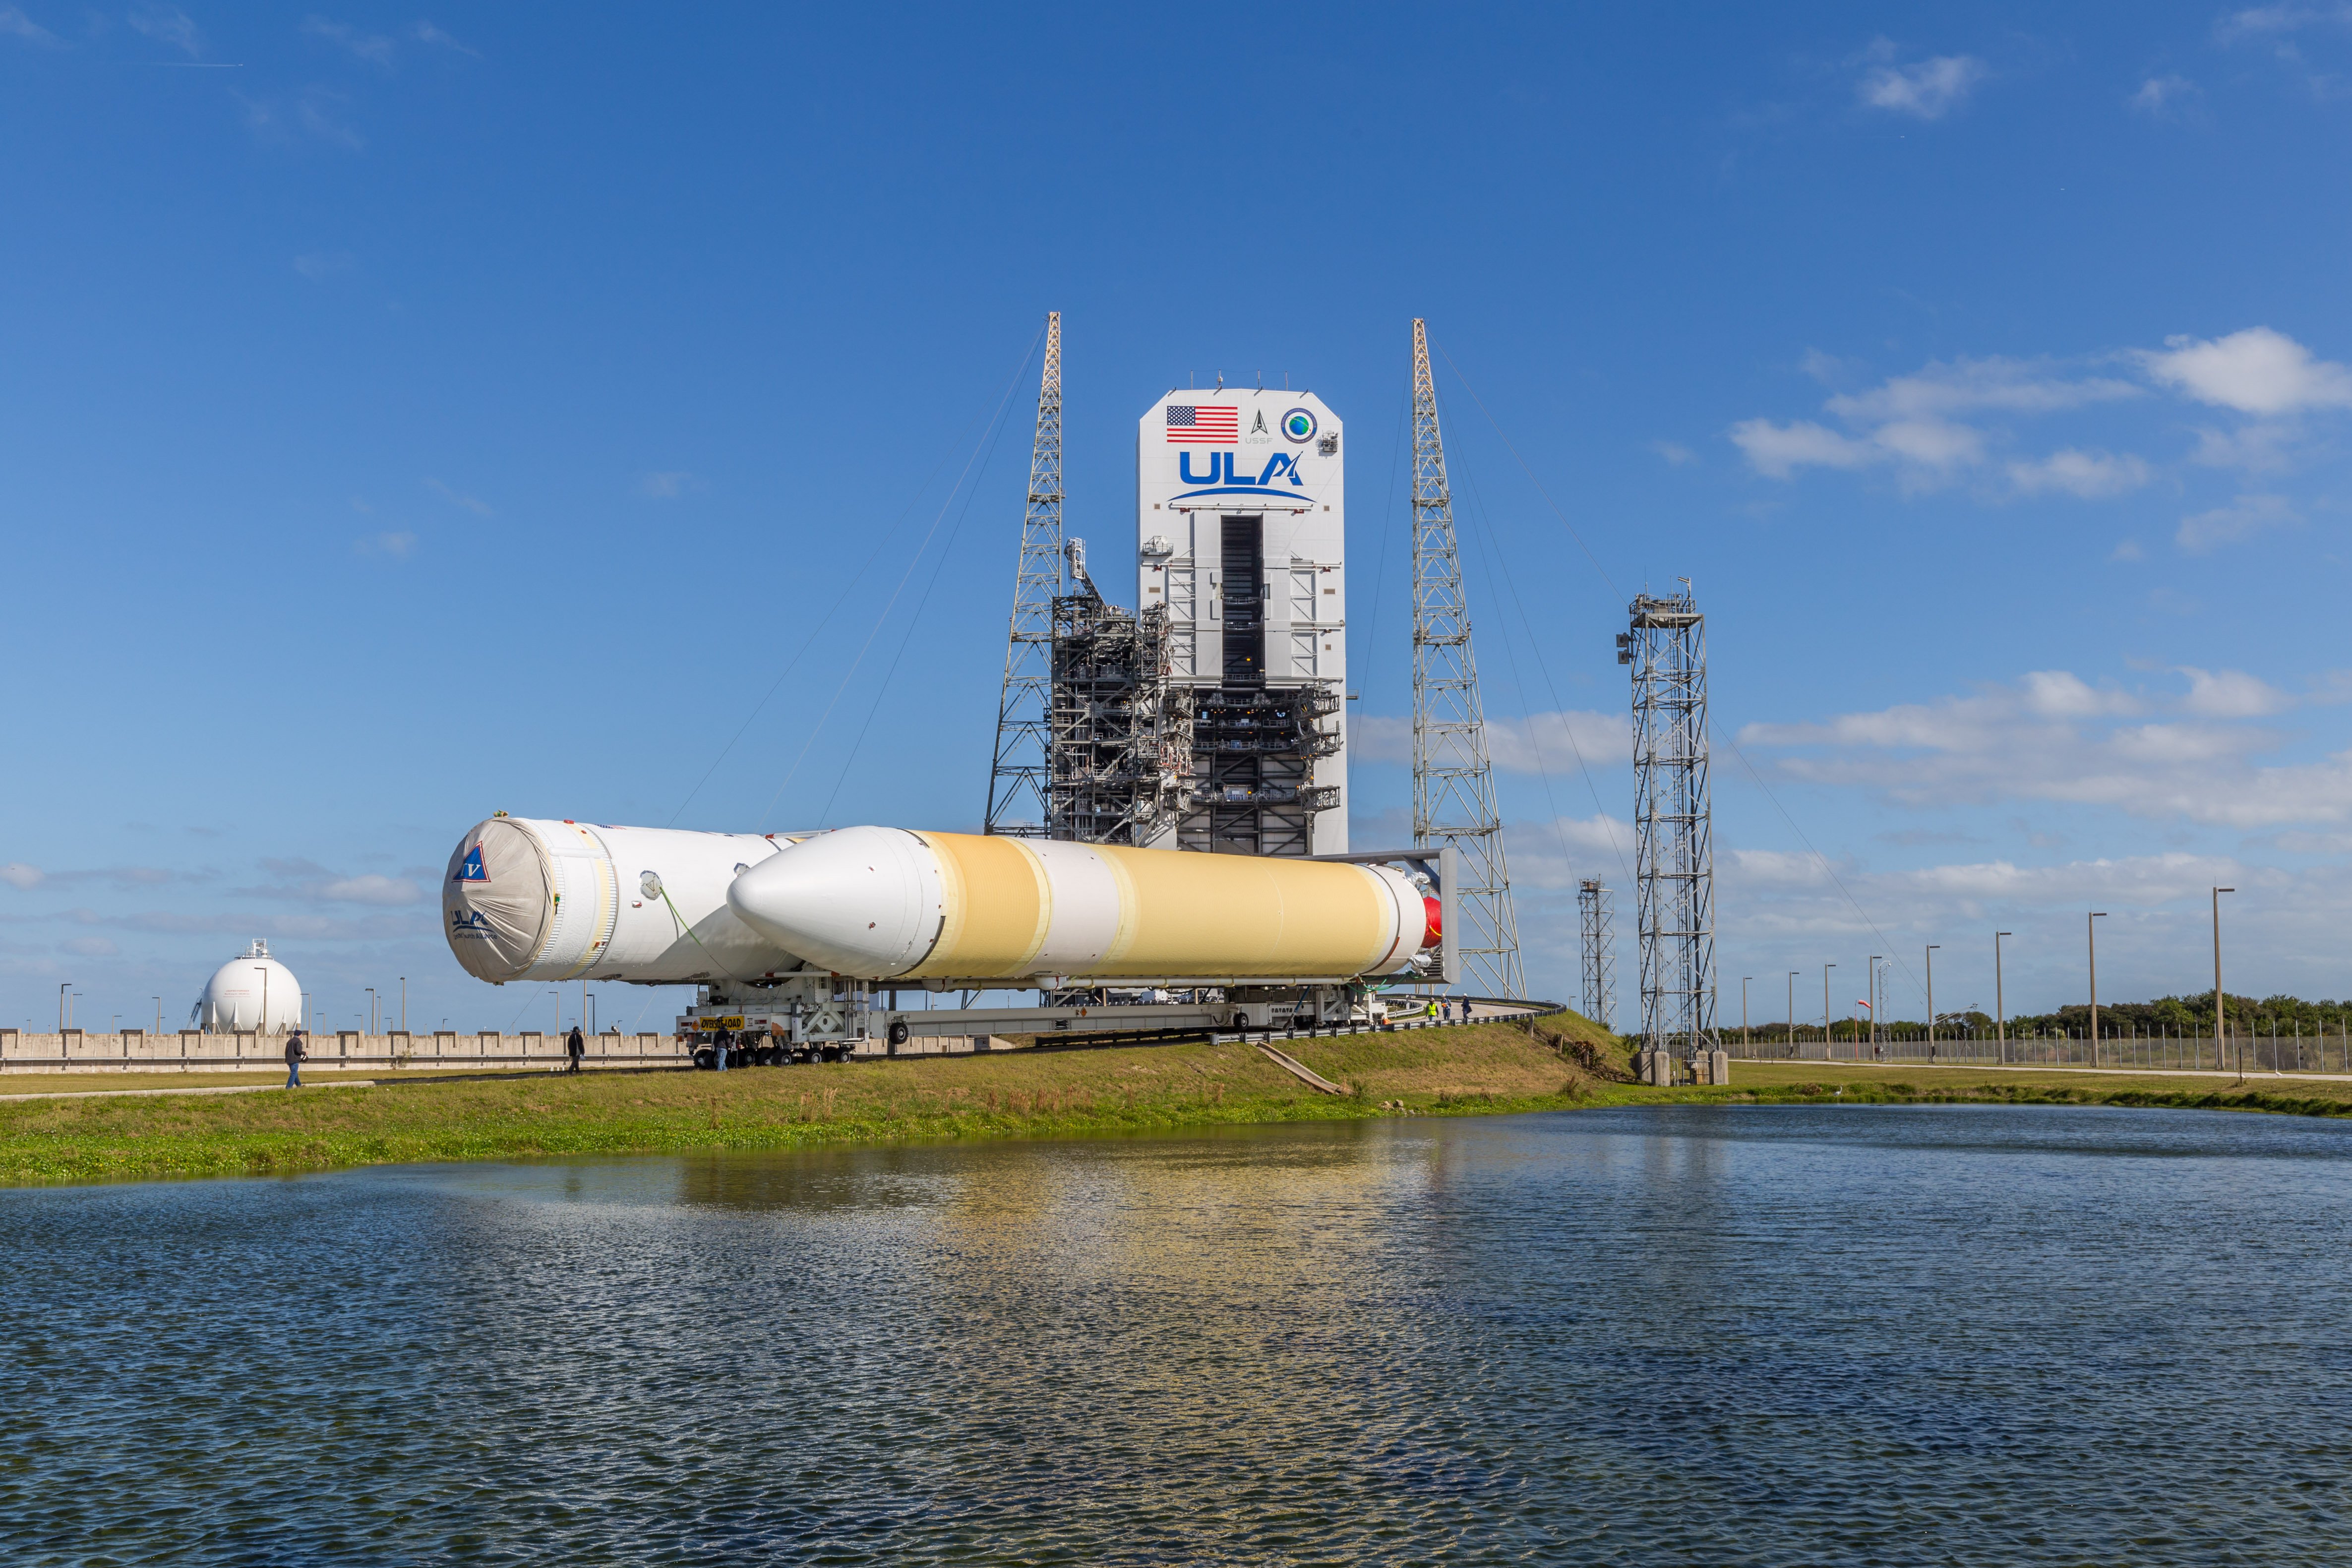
{"x":295,"y":1055}
{"x":575,"y":1046}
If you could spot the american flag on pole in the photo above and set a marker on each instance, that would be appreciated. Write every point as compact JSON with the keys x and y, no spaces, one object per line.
{"x":1203,"y":425}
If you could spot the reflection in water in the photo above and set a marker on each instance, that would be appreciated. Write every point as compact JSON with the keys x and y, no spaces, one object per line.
{"x":1863,"y":1334}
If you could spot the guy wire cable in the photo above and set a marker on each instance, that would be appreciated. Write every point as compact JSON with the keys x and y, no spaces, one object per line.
{"x":881,"y":543}
{"x":1494,"y":548}
{"x":938,"y":565}
{"x":1712,"y":728}
{"x":913,"y":560}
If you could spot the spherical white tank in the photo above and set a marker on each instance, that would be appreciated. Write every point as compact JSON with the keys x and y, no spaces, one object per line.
{"x":530,"y":898}
{"x":251,"y":992}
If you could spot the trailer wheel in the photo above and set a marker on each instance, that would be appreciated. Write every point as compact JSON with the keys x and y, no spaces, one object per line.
{"x":705,"y":1058}
{"x":899,"y":1032}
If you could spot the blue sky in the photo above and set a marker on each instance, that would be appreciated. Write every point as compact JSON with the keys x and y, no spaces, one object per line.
{"x":409,"y":416}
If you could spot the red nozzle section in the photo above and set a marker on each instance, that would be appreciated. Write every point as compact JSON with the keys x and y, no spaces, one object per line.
{"x":1433,"y":928}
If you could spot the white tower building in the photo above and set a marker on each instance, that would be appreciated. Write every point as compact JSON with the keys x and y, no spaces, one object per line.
{"x":1241,"y":527}
{"x":251,"y":992}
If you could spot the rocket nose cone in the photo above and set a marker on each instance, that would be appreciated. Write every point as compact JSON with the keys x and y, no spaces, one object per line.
{"x":861,"y":901}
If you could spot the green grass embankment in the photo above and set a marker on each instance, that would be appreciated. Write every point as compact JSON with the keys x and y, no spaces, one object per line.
{"x":1565,"y":1062}
{"x":1475,"y":1068}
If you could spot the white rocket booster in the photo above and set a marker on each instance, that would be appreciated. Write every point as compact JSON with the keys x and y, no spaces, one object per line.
{"x":530,"y":900}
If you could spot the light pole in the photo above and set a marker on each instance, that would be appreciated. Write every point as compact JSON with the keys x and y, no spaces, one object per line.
{"x":2094,"y":938}
{"x":1792,"y":1013}
{"x":1746,"y":1046}
{"x":2219,"y":1017}
{"x":63,"y":984}
{"x":1931,"y":998}
{"x":403,"y":1003}
{"x":1825,"y":1010}
{"x":159,"y":1012}
{"x":1873,"y":1003}
{"x":2000,"y":1005}
{"x":263,"y":1026}
{"x":371,"y":1015}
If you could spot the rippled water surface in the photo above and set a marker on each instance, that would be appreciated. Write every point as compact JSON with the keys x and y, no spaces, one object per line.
{"x":1703,"y":1335}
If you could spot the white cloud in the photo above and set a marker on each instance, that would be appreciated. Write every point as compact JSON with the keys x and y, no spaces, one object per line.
{"x":15,"y":24}
{"x":2256,"y":371}
{"x":16,"y":874}
{"x":2241,"y":519}
{"x":2231,"y":694}
{"x":310,"y":882}
{"x":1673,"y":452}
{"x":374,"y":47}
{"x":2128,"y":549}
{"x":170,"y":26}
{"x":399,"y":546}
{"x":1777,"y":451}
{"x":474,"y":504}
{"x":372,"y":888}
{"x":1543,"y":743}
{"x":2162,"y":95}
{"x":2053,"y":737}
{"x":2270,"y":20}
{"x":427,"y":33}
{"x":1928,"y":89}
{"x":2087,"y":474}
{"x":1966,"y":385}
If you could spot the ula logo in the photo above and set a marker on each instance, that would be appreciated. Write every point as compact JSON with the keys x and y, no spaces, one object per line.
{"x":468,"y":922}
{"x":473,"y":869}
{"x":1221,"y":472}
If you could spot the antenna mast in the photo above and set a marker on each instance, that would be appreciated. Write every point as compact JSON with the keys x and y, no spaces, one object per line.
{"x":1019,"y":782}
{"x":1596,"y":910}
{"x":1453,"y":783}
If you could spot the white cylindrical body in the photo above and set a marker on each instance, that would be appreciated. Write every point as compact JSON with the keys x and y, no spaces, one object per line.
{"x":883,"y":903}
{"x":252,"y":992}
{"x":530,"y":898}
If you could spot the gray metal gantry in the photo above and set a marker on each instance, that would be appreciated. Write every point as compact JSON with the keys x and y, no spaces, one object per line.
{"x":1020,"y":781}
{"x":1452,"y":781}
{"x":1122,"y":733}
{"x":1674,"y":853}
{"x":1596,"y":911}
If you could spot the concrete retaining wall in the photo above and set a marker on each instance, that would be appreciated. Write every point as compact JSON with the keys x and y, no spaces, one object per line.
{"x":189,"y":1051}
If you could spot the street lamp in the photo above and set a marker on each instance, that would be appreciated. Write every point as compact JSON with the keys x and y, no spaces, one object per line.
{"x":1746,"y":1047}
{"x":1792,"y":1013}
{"x":262,"y":1027}
{"x":1825,"y":1010}
{"x":2000,"y":1005}
{"x":1874,"y":999}
{"x":2219,"y":1017}
{"x":1931,"y":998}
{"x":63,"y":984}
{"x":403,"y":1003}
{"x":159,"y":1012}
{"x":371,"y":1015}
{"x":2094,"y":936}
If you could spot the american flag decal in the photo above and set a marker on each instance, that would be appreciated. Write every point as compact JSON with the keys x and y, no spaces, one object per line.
{"x":1203,"y":426}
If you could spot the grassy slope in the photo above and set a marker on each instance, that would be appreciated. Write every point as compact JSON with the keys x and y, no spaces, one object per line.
{"x":1478,"y":1067}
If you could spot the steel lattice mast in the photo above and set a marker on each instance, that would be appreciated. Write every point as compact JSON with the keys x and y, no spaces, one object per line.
{"x":1596,"y":920}
{"x":1673,"y":854}
{"x":1453,"y":783}
{"x":1020,"y":781}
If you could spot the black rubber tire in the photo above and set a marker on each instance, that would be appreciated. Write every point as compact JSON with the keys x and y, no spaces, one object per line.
{"x":899,"y":1032}
{"x":705,"y":1058}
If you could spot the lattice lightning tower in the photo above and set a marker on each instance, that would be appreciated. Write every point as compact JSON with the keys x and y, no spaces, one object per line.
{"x":1020,"y":783}
{"x":1673,"y":854}
{"x":1596,"y":910}
{"x":1453,"y":783}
